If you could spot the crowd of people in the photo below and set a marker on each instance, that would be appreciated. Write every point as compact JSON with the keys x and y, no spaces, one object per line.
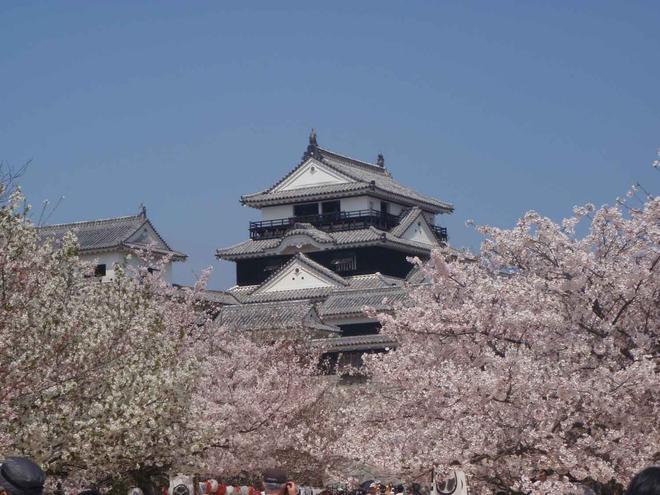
{"x":22,"y":476}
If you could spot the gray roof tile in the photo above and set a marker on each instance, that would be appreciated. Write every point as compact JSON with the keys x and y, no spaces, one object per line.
{"x":353,"y":302}
{"x":290,"y":295}
{"x":297,"y":315}
{"x":97,"y":235}
{"x":346,"y":238}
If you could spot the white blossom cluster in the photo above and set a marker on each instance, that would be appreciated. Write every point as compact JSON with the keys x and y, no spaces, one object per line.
{"x":112,"y":380}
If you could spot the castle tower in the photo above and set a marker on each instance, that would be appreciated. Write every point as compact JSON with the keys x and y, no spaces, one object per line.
{"x":334,"y":236}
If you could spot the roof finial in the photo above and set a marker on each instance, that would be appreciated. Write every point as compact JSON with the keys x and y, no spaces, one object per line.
{"x":312,"y":148}
{"x":142,"y":211}
{"x":380,"y":161}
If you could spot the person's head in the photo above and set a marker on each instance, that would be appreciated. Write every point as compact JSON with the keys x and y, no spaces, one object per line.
{"x":21,"y":476}
{"x":274,"y":480}
{"x":646,"y":482}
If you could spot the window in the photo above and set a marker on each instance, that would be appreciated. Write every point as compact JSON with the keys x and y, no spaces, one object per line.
{"x":330,"y":207}
{"x":305,"y":210}
{"x":344,"y":264}
{"x":99,"y":270}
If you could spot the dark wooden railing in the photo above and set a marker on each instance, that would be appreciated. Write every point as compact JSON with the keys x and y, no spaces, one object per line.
{"x":332,"y":222}
{"x":339,"y":220}
{"x":440,"y":232}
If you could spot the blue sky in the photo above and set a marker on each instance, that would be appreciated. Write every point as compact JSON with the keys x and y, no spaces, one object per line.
{"x":498,"y":107}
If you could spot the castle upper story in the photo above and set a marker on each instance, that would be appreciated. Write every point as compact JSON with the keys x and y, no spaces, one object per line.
{"x":348,"y":215}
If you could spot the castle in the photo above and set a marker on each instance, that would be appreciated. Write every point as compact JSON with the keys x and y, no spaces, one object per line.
{"x":334,"y":237}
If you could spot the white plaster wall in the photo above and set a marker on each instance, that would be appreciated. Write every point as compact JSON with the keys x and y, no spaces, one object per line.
{"x":395,"y":208}
{"x":369,"y":202}
{"x":420,"y":232}
{"x":276,"y":212}
{"x":296,"y":277}
{"x":356,"y":203}
{"x":374,"y":204}
{"x":312,"y":174}
{"x":110,"y":259}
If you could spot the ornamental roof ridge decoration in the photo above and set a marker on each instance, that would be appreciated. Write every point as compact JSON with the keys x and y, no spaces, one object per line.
{"x":367,"y":176}
{"x":372,"y":167}
{"x":109,"y":233}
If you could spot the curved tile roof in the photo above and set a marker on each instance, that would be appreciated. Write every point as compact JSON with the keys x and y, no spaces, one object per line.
{"x":368,"y":178}
{"x":111,"y":233}
{"x":341,"y":239}
{"x":353,"y":302}
{"x":276,"y":316}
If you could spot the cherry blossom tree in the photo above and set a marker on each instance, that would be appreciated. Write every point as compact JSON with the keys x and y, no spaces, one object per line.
{"x":96,"y":378}
{"x":124,"y":379}
{"x":261,"y":403}
{"x":534,"y":366}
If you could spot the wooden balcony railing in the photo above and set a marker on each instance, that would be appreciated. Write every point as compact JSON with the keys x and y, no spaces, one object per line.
{"x":333,"y":222}
{"x":440,"y":232}
{"x":329,"y":222}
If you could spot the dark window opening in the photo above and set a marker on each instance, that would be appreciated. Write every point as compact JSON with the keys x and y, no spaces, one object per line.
{"x":272,"y":268}
{"x":353,"y":329}
{"x":99,"y":270}
{"x":384,"y":207}
{"x":345,"y":264}
{"x":305,"y":210}
{"x":330,"y":207}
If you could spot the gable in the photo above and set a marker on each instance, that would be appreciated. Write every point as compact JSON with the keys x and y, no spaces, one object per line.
{"x":419,"y":231}
{"x":312,"y":173}
{"x":295,"y":276}
{"x":146,"y":236}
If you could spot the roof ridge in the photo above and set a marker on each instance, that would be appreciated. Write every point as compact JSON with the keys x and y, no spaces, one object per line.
{"x":91,"y":222}
{"x":294,"y":302}
{"x":355,"y":161}
{"x":349,"y":290}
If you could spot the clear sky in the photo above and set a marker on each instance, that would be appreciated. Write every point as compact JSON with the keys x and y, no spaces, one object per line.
{"x":498,"y":107}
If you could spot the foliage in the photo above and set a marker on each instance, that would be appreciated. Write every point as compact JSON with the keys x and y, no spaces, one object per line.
{"x":535,"y":364}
